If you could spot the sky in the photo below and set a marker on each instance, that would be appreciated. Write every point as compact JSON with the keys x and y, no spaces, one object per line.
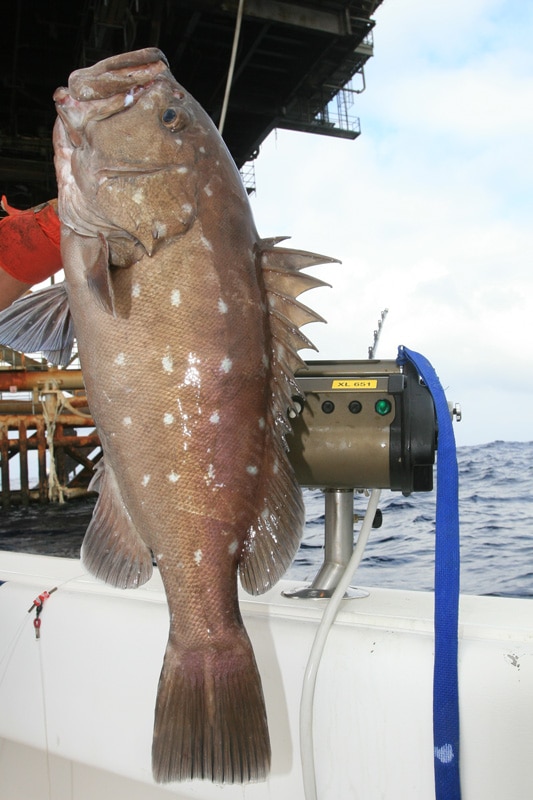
{"x":429,"y":209}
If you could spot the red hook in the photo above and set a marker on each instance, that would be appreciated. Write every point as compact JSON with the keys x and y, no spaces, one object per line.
{"x":38,"y":606}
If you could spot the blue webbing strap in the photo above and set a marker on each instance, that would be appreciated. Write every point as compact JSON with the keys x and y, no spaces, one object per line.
{"x":445,"y":681}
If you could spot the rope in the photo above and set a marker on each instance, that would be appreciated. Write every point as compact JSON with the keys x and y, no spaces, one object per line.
{"x":231,"y":70}
{"x":53,"y":403}
{"x":447,"y":562}
{"x":50,"y":413}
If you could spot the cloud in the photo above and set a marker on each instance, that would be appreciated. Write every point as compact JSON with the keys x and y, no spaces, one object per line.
{"x":430,"y":209}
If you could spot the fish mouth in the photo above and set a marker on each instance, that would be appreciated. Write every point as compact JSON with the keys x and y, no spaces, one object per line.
{"x":132,"y":171}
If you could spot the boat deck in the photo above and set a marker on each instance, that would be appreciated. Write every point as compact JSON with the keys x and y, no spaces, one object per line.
{"x":77,"y":703}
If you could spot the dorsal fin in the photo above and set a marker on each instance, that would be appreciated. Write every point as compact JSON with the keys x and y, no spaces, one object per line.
{"x":289,"y":260}
{"x":279,"y":322}
{"x":284,"y":281}
{"x":289,"y":283}
{"x":274,"y":538}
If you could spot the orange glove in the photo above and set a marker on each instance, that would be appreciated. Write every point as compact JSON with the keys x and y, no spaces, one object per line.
{"x":29,"y":242}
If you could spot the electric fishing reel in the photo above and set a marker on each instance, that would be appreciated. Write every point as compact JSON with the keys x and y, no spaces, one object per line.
{"x":363,"y":424}
{"x":358,"y":425}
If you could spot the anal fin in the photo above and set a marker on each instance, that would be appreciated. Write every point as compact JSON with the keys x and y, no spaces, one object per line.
{"x":113,"y":549}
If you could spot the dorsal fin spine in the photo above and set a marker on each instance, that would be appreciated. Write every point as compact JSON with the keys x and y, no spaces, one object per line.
{"x":281,"y":268}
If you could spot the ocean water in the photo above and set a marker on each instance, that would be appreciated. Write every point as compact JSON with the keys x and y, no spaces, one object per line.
{"x":496,"y":524}
{"x":496,"y":528}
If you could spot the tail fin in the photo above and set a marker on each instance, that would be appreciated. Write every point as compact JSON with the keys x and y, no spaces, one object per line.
{"x":210,"y":717}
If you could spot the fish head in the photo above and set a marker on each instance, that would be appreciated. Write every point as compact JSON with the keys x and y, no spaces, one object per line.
{"x":131,"y":146}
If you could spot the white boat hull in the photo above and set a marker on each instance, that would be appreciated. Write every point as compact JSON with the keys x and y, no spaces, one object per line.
{"x":76,"y":705}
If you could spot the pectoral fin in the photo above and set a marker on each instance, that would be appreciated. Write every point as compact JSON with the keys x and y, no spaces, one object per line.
{"x":40,"y":322}
{"x":89,"y":255}
{"x":98,"y":273}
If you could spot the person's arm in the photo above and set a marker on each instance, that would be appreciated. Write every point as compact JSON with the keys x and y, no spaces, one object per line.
{"x":29,"y":249}
{"x":10,"y":289}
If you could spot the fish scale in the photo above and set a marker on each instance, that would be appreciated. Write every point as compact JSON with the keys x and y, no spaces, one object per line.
{"x":188,"y":330}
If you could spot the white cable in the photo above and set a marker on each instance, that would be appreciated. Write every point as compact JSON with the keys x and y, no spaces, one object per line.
{"x":231,"y":67}
{"x":315,"y":656}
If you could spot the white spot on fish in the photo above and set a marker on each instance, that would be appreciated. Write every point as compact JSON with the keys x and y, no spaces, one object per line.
{"x":183,"y":170}
{"x":168,"y":364}
{"x":136,"y":290}
{"x":198,"y":557}
{"x":146,"y":480}
{"x":175,"y":297}
{"x":201,"y":149}
{"x":232,"y":549}
{"x":186,"y":208}
{"x":127,"y":421}
{"x":214,"y":418}
{"x":138,"y":197}
{"x":206,"y":243}
{"x":222,"y":306}
{"x":173,"y":477}
{"x":192,"y":377}
{"x":208,"y":190}
{"x":210,"y":475}
{"x":252,"y":470}
{"x":128,"y":99}
{"x":226,"y":365}
{"x":261,"y":422}
{"x":168,"y":418}
{"x":120,"y":360}
{"x":192,"y":374}
{"x":265,"y":514}
{"x":159,"y":229}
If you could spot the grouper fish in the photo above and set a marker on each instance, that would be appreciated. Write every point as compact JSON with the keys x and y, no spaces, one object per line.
{"x":188,"y":330}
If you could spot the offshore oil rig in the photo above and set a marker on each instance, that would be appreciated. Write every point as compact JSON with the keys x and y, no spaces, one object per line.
{"x":48,"y":444}
{"x":254,"y":66}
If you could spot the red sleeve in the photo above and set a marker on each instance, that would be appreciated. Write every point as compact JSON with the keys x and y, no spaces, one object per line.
{"x":29,"y":243}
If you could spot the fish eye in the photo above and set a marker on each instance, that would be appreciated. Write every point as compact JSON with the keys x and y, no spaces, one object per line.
{"x":169,"y":116}
{"x":174,"y":118}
